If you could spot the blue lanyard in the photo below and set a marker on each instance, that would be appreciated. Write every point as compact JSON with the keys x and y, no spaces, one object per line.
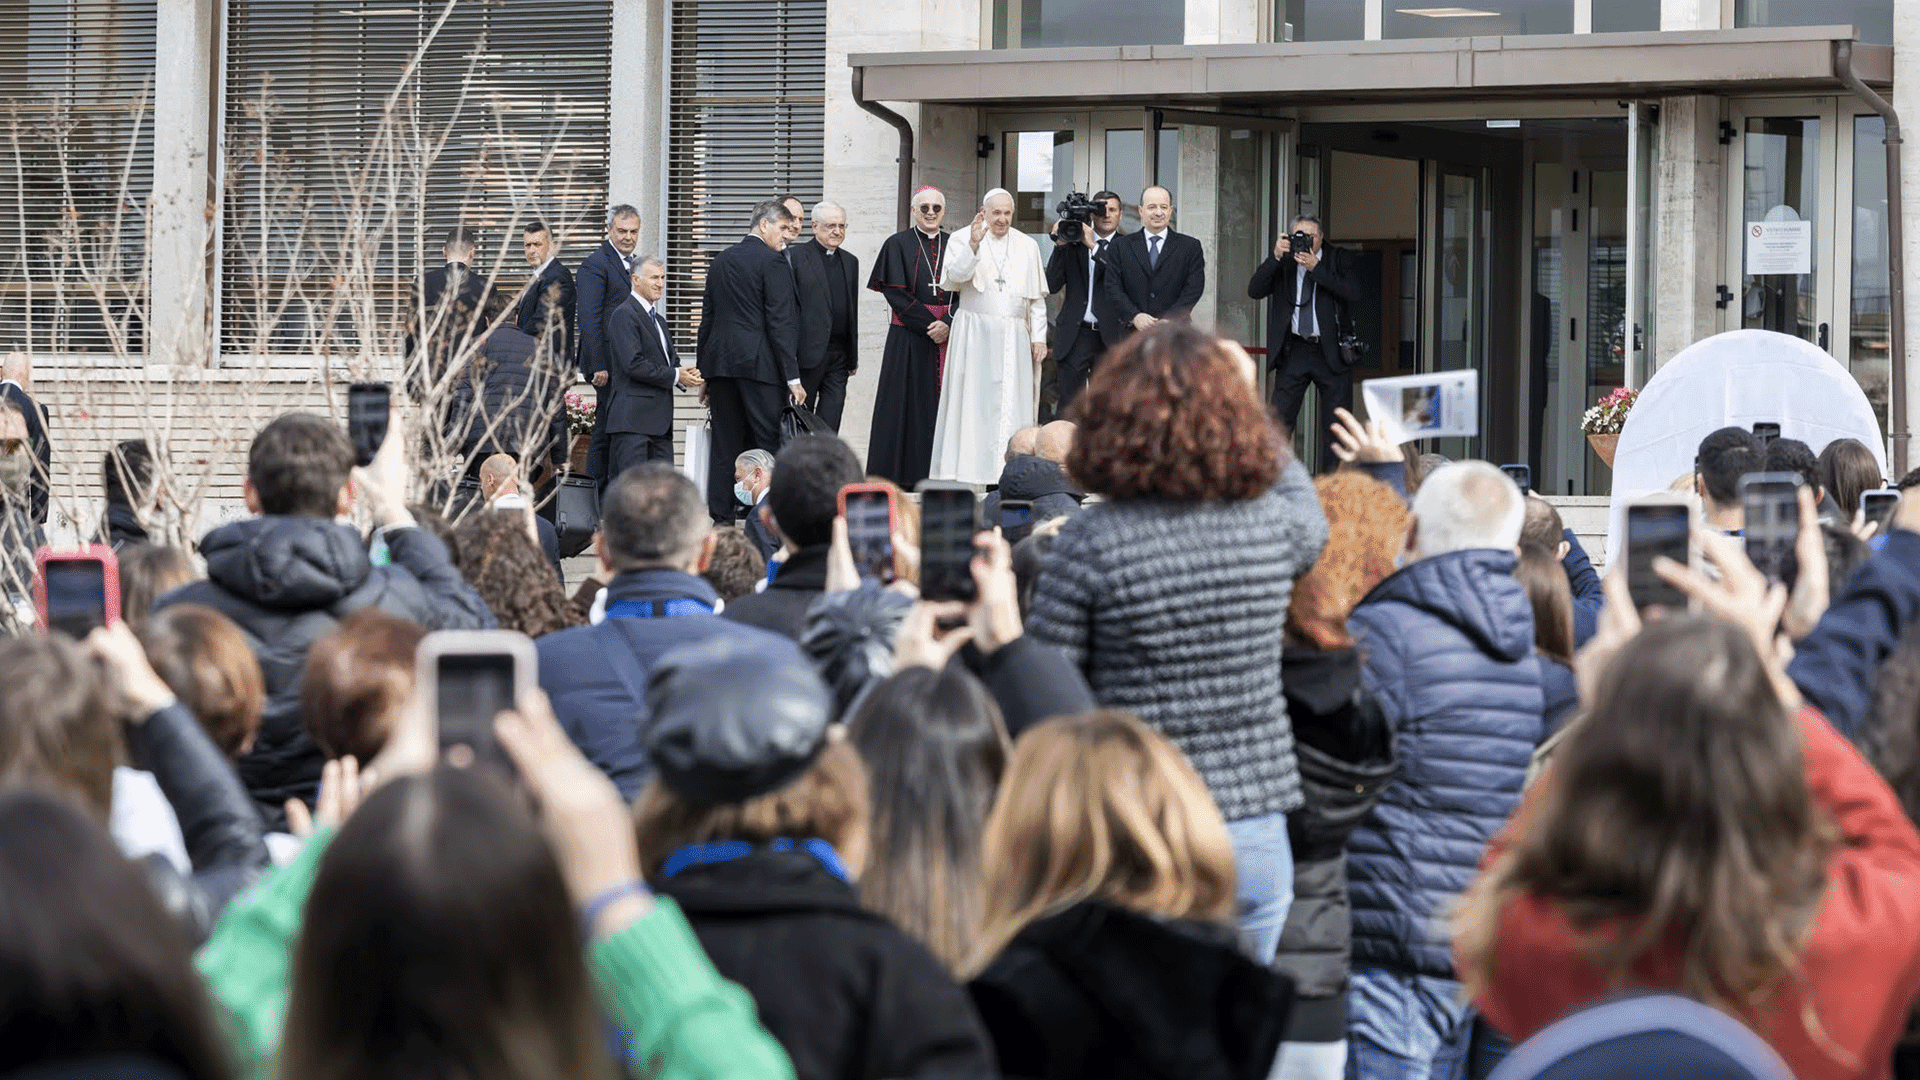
{"x":657,"y":609}
{"x":728,"y":850}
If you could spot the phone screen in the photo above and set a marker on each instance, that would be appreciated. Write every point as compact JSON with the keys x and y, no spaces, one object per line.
{"x":76,"y":596}
{"x":1772,"y":526}
{"x":1765,"y":433}
{"x":471,"y":689}
{"x":948,"y":522}
{"x":1653,"y":531}
{"x":1521,"y":475}
{"x":870,"y":534}
{"x":1877,"y":506}
{"x":367,"y":405}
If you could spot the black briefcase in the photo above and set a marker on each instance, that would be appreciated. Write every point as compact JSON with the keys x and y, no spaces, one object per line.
{"x":576,"y":514}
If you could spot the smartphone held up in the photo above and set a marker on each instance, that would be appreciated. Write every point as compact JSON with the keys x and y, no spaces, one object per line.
{"x":467,"y":679}
{"x":75,"y":593}
{"x":1658,"y":527}
{"x":949,"y":521}
{"x":871,"y":522}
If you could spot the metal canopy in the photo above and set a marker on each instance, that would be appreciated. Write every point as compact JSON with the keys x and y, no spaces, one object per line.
{"x":1771,"y":60}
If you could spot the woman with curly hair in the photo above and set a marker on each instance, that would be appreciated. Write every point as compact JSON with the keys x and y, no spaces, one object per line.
{"x":1171,"y":594}
{"x":499,"y":557}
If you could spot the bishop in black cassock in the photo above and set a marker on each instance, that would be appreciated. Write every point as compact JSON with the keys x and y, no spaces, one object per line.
{"x":907,"y":401}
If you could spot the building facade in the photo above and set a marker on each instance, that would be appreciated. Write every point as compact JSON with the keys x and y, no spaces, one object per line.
{"x":1558,"y":193}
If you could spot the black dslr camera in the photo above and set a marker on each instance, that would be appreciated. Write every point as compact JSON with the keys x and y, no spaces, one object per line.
{"x":1300,"y":241}
{"x":1076,"y":213}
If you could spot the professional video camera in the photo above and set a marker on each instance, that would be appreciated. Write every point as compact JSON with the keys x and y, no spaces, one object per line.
{"x":1076,"y":213}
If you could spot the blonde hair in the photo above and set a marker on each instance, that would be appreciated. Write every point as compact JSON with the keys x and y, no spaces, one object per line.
{"x":1101,"y":807}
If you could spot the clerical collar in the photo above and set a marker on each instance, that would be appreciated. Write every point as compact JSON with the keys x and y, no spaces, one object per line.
{"x":934,"y":235}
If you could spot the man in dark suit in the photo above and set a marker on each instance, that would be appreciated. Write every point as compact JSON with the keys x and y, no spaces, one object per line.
{"x":509,"y":399}
{"x":1077,"y":340}
{"x":645,"y":369}
{"x":1153,"y":274}
{"x":828,"y":280}
{"x":1306,"y":292}
{"x":748,"y":344}
{"x":546,"y":310}
{"x":605,"y":280}
{"x":450,"y":299}
{"x":16,"y":385}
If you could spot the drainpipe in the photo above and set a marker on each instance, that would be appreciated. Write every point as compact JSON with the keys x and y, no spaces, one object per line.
{"x":1896,"y":246}
{"x":905,"y":194}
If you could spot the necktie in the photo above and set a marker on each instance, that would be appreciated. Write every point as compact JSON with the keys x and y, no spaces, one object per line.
{"x":662,"y":324}
{"x":627,"y":261}
{"x":1306,"y":319}
{"x":1098,"y":257}
{"x":1153,"y":252}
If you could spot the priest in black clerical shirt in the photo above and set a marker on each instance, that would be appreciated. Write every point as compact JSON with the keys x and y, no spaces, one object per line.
{"x":907,"y":401}
{"x":827,"y":278}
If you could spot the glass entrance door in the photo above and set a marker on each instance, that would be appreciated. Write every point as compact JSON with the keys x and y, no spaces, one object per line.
{"x":1808,"y":238}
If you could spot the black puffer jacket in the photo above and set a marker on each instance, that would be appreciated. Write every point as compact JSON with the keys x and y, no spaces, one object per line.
{"x":1345,"y":751}
{"x":217,"y":821}
{"x":1102,"y":993}
{"x":1038,"y":481}
{"x":286,"y":582}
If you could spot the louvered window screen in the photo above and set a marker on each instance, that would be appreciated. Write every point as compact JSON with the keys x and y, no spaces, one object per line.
{"x":748,"y":96}
{"x":338,"y":172}
{"x":76,"y":168}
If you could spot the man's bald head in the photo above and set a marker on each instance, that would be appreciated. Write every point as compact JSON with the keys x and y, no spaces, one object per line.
{"x":497,"y":474}
{"x":1024,"y":442}
{"x":1056,"y":440}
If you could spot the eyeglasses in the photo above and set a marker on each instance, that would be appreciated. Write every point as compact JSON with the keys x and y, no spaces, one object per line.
{"x":930,"y":208}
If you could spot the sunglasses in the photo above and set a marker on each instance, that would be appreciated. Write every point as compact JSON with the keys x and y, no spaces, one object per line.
{"x":930,"y":208}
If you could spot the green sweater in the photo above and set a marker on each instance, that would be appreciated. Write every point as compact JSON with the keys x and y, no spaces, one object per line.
{"x":684,"y":1021}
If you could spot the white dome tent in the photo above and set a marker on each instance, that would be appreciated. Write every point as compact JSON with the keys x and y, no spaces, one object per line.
{"x":1735,"y":379}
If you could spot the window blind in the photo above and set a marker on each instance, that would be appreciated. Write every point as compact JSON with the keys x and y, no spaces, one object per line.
{"x":747,"y":93}
{"x":76,"y":169}
{"x":339,"y":167}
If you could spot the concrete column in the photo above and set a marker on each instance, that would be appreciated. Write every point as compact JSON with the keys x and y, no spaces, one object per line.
{"x":178,"y":220}
{"x":1689,"y":230}
{"x":1906,"y":101}
{"x":1689,"y":14}
{"x":862,"y":151}
{"x":1222,"y":22}
{"x":637,"y":137}
{"x":1207,"y":182}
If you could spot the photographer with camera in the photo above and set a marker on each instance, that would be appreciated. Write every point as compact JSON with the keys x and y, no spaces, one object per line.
{"x":1081,"y":333}
{"x":1307,"y":289}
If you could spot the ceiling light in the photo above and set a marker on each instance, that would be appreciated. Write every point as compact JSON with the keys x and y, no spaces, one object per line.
{"x":1446,"y":12}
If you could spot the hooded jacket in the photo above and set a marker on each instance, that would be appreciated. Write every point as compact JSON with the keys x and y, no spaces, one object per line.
{"x":1038,"y":481}
{"x":1100,"y":991}
{"x":286,"y":582}
{"x":1448,"y":642}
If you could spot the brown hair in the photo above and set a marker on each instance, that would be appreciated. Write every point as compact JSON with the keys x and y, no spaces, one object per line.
{"x":1168,"y":415}
{"x":1676,"y":814}
{"x":507,"y":568}
{"x":828,"y":802}
{"x":1552,"y":599}
{"x":59,"y":725}
{"x":1366,"y":530}
{"x":205,"y":658}
{"x":1847,"y":468}
{"x":1543,"y":526}
{"x":357,"y":679}
{"x":735,"y":566}
{"x":1101,"y":807}
{"x":147,"y":573}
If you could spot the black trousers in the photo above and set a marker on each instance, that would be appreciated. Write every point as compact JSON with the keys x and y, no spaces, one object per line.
{"x":597,"y":446}
{"x":1304,"y":362}
{"x":746,"y":416}
{"x":629,"y":448}
{"x":826,"y":388}
{"x":1076,"y":365}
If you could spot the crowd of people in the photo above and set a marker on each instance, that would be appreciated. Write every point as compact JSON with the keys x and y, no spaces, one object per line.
{"x":1224,"y":770}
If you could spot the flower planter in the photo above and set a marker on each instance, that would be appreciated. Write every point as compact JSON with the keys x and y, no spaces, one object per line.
{"x":1603,"y":445}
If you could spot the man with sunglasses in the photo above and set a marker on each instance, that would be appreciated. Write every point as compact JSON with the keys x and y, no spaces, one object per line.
{"x":907,"y":403}
{"x":16,"y":387}
{"x":827,"y":279}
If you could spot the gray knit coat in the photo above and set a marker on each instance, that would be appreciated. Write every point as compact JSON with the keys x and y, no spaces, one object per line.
{"x":1174,"y":612}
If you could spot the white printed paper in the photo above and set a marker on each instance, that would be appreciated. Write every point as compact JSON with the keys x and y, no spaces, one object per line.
{"x":1439,"y":405}
{"x":1779,"y":247}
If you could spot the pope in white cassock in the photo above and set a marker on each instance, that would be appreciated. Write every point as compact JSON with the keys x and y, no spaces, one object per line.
{"x":998,"y":340}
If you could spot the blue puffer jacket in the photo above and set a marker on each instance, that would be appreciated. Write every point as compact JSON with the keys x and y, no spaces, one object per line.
{"x":1449,"y":656}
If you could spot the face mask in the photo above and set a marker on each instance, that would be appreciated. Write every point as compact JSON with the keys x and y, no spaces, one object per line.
{"x":15,"y":468}
{"x":741,"y":493}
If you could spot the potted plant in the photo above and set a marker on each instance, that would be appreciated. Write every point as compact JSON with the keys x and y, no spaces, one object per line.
{"x":1603,"y":422}
{"x":580,"y":429}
